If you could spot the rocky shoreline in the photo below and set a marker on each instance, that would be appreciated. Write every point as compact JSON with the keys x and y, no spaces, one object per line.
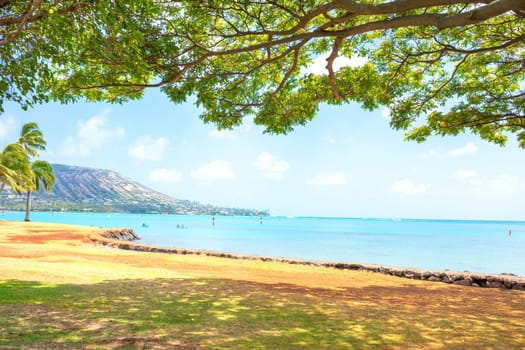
{"x":123,"y":238}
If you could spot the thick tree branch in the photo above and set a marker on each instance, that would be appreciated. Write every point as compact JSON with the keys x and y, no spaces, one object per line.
{"x":493,"y":9}
{"x":21,"y":21}
{"x":397,"y":6}
{"x":330,"y":66}
{"x":441,"y":21}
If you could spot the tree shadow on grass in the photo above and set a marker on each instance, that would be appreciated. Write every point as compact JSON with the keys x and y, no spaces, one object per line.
{"x":230,"y":314}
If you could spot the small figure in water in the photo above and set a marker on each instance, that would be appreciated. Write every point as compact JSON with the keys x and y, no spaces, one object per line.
{"x":510,"y":233}
{"x":144,"y":225}
{"x":213,"y":221}
{"x":260,"y":220}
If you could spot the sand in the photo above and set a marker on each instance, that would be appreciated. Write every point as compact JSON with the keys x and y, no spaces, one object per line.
{"x":57,"y":253}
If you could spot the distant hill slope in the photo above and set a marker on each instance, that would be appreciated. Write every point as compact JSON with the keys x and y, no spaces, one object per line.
{"x":88,"y":189}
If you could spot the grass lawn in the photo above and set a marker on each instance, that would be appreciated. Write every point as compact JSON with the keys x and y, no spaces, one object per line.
{"x":57,"y":291}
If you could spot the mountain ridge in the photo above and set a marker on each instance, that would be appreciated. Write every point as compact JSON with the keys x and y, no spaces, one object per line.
{"x":79,"y":188}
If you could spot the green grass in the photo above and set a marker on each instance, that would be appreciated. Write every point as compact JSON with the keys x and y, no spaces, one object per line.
{"x":227,"y":314}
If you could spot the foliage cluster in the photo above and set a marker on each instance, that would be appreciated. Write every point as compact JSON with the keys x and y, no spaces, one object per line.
{"x":442,"y":67}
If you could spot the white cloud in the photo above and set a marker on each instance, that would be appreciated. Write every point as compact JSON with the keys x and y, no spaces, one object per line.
{"x":248,"y":123}
{"x":385,"y":113}
{"x":429,"y":154}
{"x":272,"y":167}
{"x":216,"y":170}
{"x":323,"y":179}
{"x":7,"y":126}
{"x":470,"y":175}
{"x":469,"y":148}
{"x":91,"y":135}
{"x":499,"y":183}
{"x":329,"y":139}
{"x":147,"y":148}
{"x":165,"y":175}
{"x":408,"y":188}
{"x":318,"y":66}
{"x":466,"y":174}
{"x":504,"y":183}
{"x":95,"y":132}
{"x":224,"y":134}
{"x":73,"y":147}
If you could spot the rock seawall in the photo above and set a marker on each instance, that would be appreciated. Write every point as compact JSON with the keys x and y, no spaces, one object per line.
{"x":120,"y":234}
{"x":123,"y":239}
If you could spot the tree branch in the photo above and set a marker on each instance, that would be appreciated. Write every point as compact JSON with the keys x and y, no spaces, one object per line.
{"x":397,"y":6}
{"x":330,"y":66}
{"x":493,"y":9}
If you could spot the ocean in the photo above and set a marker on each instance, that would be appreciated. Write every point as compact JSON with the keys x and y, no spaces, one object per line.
{"x":460,"y":245}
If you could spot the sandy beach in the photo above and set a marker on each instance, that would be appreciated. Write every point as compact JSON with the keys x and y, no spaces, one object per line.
{"x":33,"y":250}
{"x":56,"y":253}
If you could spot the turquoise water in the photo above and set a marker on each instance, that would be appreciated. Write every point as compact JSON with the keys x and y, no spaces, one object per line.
{"x":480,"y":246}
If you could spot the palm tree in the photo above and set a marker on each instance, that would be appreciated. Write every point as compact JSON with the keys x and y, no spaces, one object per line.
{"x":15,"y":165}
{"x":15,"y":168}
{"x":43,"y":177}
{"x":32,"y":139}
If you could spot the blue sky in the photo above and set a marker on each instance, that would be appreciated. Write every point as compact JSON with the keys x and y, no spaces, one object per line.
{"x":346,"y":163}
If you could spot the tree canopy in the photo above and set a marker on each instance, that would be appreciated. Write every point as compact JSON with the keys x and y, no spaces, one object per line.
{"x":442,"y":67}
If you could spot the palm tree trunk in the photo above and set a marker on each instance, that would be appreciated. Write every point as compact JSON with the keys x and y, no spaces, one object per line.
{"x":2,"y":186}
{"x":28,"y":206}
